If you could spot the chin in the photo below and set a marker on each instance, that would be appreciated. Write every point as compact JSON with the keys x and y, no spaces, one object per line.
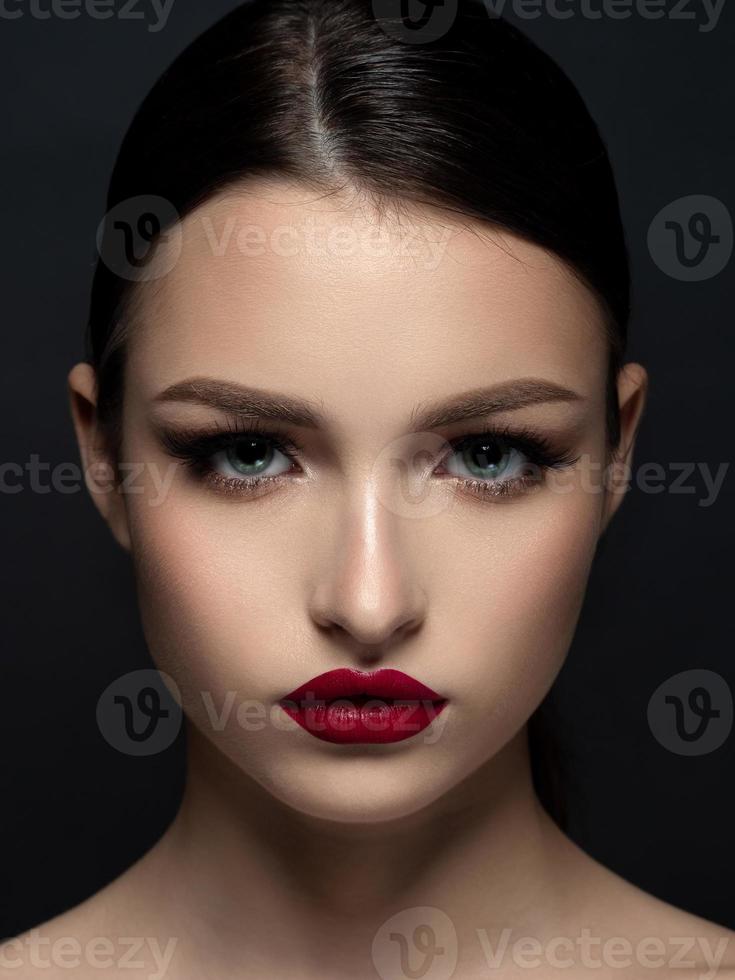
{"x":357,"y":789}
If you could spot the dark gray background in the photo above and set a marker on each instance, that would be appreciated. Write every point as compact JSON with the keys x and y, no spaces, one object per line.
{"x":74,"y":812}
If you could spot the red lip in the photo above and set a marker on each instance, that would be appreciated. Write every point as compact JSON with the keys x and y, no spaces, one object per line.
{"x":354,"y":706}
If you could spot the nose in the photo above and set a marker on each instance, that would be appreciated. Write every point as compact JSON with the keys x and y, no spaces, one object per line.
{"x":368,"y":595}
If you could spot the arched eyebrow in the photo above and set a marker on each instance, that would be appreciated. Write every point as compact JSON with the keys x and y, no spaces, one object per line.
{"x":506,"y":396}
{"x":229,"y":396}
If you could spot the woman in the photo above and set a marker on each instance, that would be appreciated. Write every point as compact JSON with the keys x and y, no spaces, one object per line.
{"x":356,"y":342}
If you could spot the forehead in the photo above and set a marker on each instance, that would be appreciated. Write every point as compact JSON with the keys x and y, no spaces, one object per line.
{"x":273,"y":284}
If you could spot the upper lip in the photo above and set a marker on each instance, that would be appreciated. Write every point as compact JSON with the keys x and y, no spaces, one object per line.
{"x":346,"y":683}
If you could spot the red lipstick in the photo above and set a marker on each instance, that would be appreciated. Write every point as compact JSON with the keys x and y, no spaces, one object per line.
{"x":353,"y":706}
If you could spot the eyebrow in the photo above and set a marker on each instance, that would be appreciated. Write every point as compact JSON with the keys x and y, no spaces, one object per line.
{"x":242,"y":400}
{"x":506,"y":396}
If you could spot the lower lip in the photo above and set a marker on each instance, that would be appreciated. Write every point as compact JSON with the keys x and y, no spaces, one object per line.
{"x":352,"y":720}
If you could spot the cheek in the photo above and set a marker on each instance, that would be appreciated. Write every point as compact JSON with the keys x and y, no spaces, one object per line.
{"x":213,"y":594}
{"x":516,"y":605}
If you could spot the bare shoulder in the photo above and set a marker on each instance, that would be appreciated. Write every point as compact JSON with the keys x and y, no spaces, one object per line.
{"x":55,"y":947}
{"x":102,"y":933}
{"x":693,"y":945}
{"x":655,"y":936}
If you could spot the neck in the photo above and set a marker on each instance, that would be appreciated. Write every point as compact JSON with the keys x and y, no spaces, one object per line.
{"x":243,"y":869}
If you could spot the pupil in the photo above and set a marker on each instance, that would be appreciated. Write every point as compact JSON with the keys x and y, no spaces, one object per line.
{"x":249,"y":453}
{"x":486,"y":455}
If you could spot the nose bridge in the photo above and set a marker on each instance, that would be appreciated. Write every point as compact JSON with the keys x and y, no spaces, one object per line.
{"x":368,"y":582}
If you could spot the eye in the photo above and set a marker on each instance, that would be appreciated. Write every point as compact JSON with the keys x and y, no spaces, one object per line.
{"x":233,"y":460}
{"x":249,"y":461}
{"x":504,"y":462}
{"x":250,"y":456}
{"x":488,"y":458}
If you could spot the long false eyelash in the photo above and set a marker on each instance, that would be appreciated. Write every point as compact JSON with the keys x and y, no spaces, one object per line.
{"x":536,"y":447}
{"x":196,"y":446}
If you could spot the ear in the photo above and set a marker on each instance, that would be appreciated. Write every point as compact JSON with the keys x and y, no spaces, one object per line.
{"x":97,"y":463}
{"x":632,"y":391}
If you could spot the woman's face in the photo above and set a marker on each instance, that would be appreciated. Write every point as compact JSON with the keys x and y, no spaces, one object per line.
{"x":381,"y":541}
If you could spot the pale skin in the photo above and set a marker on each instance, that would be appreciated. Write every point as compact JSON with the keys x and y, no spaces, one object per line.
{"x":289,"y":853}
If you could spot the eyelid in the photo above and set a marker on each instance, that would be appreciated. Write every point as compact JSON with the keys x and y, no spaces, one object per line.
{"x":203,"y":443}
{"x":537,"y":450}
{"x":239,"y":426}
{"x":196,"y":447}
{"x":534,"y":445}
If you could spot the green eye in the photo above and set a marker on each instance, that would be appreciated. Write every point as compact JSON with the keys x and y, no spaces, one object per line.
{"x":487,"y":458}
{"x":250,"y":456}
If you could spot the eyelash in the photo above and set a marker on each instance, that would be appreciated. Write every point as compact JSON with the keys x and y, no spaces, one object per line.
{"x":196,"y":448}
